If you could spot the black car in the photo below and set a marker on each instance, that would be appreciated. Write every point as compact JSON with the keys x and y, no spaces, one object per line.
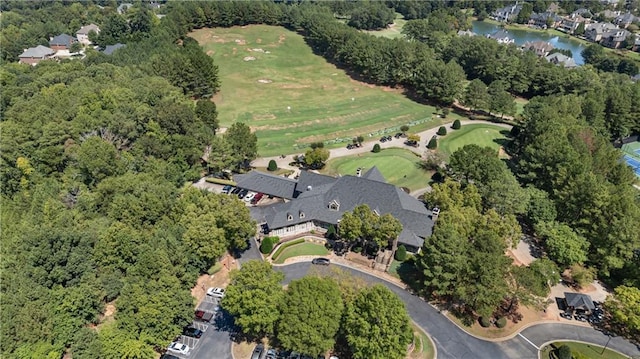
{"x":321,"y":261}
{"x":192,"y":332}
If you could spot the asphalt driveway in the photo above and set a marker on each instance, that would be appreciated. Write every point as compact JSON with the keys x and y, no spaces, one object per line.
{"x":452,"y":342}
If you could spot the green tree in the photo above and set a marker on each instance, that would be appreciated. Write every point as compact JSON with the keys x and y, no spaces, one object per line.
{"x":376,"y":325}
{"x":565,"y":246}
{"x":311,"y":314}
{"x":315,"y":158}
{"x":476,"y":95}
{"x":207,"y":112}
{"x":253,"y":296}
{"x":244,"y":143}
{"x":624,"y":307}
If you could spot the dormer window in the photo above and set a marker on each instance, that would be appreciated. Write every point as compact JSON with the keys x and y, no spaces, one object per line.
{"x":301,"y":214}
{"x":289,"y":217}
{"x":334,"y":205}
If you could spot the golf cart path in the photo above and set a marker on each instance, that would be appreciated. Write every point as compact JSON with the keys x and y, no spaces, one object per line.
{"x":367,"y":146}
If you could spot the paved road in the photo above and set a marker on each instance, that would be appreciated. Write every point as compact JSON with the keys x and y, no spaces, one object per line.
{"x":452,"y":342}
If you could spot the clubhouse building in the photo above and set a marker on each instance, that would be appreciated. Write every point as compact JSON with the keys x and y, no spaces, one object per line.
{"x":314,"y":202}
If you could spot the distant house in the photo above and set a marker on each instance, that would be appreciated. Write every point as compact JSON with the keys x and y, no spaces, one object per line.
{"x":507,"y":13}
{"x":317,"y":202}
{"x":502,"y":37}
{"x":109,"y":49}
{"x":578,"y":301}
{"x":34,"y":55}
{"x":610,"y":14}
{"x":61,"y":42}
{"x":83,"y":33}
{"x":625,"y":20}
{"x":542,"y":20}
{"x":466,"y":33}
{"x":123,"y":8}
{"x":569,"y":24}
{"x":561,"y":60}
{"x":540,"y":48}
{"x":615,"y":38}
{"x":595,"y":32}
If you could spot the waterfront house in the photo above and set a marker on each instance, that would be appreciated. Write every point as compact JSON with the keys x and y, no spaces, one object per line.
{"x":561,"y":60}
{"x":545,"y":20}
{"x":625,"y":20}
{"x":34,"y":55}
{"x":615,"y":38}
{"x":540,"y":48}
{"x":83,"y":33}
{"x":502,"y":37}
{"x":507,"y":13}
{"x":594,"y":32}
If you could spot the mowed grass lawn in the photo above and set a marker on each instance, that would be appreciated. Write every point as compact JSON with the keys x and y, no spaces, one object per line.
{"x":399,"y":167}
{"x":302,"y":249}
{"x":482,"y":135}
{"x":588,"y":351}
{"x":292,"y":97}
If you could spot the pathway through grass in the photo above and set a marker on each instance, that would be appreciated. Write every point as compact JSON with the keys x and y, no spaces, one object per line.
{"x":399,"y":167}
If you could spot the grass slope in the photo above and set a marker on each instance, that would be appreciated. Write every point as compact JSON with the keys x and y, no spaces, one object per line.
{"x":292,"y":97}
{"x":399,"y":167}
{"x":302,"y":249}
{"x":482,"y":135}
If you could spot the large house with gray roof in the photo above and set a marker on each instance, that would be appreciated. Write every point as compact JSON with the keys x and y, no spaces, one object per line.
{"x":314,"y":202}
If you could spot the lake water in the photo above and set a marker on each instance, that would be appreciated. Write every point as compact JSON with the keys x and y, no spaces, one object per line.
{"x":522,"y":36}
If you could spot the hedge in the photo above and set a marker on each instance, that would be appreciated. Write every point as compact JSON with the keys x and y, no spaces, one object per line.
{"x":219,"y":181}
{"x":484,"y":322}
{"x":273,"y":166}
{"x":501,"y":322}
{"x":285,"y":246}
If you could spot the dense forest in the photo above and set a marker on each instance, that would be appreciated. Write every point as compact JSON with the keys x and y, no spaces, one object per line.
{"x":95,"y":155}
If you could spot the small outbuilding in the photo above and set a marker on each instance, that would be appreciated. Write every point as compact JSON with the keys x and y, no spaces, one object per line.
{"x":578,"y":301}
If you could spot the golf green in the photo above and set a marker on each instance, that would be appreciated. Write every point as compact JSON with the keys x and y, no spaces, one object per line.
{"x":482,"y":135}
{"x":272,"y":81}
{"x":399,"y":167}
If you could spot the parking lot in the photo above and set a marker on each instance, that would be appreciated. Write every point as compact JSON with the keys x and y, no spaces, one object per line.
{"x":207,"y":346}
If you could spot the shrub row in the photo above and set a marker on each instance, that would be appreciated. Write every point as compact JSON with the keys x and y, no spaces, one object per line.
{"x":285,"y":246}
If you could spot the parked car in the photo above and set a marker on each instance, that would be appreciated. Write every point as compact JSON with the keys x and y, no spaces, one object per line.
{"x":249,"y":196}
{"x":203,"y":316}
{"x":257,"y":352}
{"x":272,"y":354}
{"x":179,"y":348}
{"x":566,"y":315}
{"x":321,"y":261}
{"x":257,"y":198}
{"x":192,"y":332}
{"x":226,"y":189}
{"x":216,"y":292}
